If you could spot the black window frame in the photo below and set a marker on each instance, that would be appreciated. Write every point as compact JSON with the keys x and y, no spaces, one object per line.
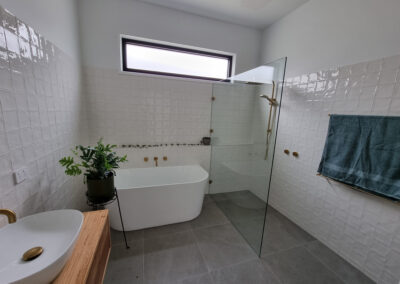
{"x":125,"y":41}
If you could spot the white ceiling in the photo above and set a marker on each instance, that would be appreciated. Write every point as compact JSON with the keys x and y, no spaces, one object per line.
{"x":253,"y":13}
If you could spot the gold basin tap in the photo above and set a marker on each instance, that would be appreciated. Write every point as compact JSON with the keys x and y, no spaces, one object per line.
{"x":12,"y":217}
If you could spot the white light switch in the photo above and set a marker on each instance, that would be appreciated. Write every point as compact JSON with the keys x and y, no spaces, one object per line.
{"x":20,"y":175}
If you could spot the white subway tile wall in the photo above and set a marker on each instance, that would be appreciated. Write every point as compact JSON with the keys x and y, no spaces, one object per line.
{"x":129,"y":109}
{"x":176,"y":156}
{"x":364,"y":229}
{"x":41,"y":118}
{"x":132,"y":109}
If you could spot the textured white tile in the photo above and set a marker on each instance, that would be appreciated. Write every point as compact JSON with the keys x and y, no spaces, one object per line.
{"x":362,"y":229}
{"x":374,"y":66}
{"x":391,"y":62}
{"x":388,"y":76}
{"x":29,"y":132}
{"x":385,"y":91}
{"x":371,"y":79}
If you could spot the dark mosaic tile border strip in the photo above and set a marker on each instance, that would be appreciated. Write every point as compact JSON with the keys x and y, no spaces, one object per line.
{"x":144,"y":146}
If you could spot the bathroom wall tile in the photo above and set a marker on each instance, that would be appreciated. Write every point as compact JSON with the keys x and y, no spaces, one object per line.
{"x":388,"y":76}
{"x":392,"y":62}
{"x":5,"y":79}
{"x":371,"y":79}
{"x":3,"y":44}
{"x":385,"y":91}
{"x":360,"y":228}
{"x":12,"y":41}
{"x":375,"y":66}
{"x":28,"y":136}
{"x":129,"y":109}
{"x":9,"y":20}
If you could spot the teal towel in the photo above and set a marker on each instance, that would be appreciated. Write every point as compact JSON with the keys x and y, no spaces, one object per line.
{"x":364,"y":151}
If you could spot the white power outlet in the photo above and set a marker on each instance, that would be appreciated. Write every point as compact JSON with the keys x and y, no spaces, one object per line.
{"x":20,"y":175}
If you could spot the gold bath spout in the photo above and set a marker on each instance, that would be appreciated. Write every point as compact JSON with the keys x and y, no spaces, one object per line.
{"x":12,"y":217}
{"x":156,"y":161}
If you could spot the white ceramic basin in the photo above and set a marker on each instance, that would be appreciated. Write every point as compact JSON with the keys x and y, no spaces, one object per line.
{"x":55,"y":231}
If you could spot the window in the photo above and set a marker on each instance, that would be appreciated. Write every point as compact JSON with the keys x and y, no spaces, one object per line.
{"x":153,"y":57}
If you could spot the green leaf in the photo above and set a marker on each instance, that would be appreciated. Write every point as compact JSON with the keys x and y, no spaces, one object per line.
{"x":96,"y":162}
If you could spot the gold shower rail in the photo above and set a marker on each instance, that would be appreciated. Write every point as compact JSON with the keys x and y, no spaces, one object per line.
{"x":272,"y":103}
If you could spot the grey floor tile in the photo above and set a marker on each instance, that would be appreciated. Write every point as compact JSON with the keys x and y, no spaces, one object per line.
{"x":343,"y":269}
{"x":219,"y":196}
{"x":210,"y":215}
{"x":282,"y":234}
{"x":240,"y":194}
{"x":235,"y":210}
{"x":222,"y":246}
{"x":251,"y":230}
{"x":126,"y":265}
{"x":123,"y":276}
{"x":117,"y":237}
{"x":208,"y":199}
{"x":298,"y":266}
{"x":232,"y":195}
{"x":166,"y":230}
{"x":201,"y":279}
{"x":171,"y":258}
{"x":253,"y":272}
{"x":250,"y":201}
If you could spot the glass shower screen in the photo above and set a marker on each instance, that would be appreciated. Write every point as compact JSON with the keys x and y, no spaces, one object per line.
{"x":244,"y":121}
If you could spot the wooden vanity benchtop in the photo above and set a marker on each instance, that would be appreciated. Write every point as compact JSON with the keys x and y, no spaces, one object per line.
{"x":89,"y":259}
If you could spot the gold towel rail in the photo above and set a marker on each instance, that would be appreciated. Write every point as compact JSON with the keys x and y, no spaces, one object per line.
{"x":359,"y":190}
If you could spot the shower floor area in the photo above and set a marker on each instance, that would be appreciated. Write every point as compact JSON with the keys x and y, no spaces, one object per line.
{"x":247,"y":214}
{"x":209,"y":250}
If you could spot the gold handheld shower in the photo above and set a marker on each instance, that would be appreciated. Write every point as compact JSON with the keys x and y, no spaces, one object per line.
{"x":272,"y":103}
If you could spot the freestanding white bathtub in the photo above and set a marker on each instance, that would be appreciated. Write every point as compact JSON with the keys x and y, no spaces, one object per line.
{"x":158,"y":196}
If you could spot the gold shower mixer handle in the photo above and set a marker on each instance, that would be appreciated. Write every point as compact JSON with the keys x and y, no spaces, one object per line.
{"x":272,"y":101}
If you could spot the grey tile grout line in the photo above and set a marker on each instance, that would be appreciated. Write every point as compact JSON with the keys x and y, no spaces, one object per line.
{"x":270,"y":269}
{"x":223,"y":267}
{"x":287,"y":249}
{"x":320,"y":261}
{"x":199,"y":275}
{"x":201,"y":254}
{"x":143,"y":272}
{"x":202,"y":257}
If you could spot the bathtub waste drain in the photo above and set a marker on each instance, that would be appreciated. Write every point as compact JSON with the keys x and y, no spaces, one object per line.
{"x":32,"y":253}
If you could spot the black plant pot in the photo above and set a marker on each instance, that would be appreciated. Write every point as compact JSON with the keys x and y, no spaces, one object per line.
{"x":100,"y":190}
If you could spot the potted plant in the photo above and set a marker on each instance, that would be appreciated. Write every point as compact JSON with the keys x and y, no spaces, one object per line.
{"x":99,"y":163}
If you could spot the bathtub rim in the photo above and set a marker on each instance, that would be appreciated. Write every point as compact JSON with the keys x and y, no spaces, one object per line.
{"x":207,"y":176}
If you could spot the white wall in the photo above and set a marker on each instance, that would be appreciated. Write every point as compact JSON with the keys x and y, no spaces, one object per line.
{"x":139,"y":110}
{"x":364,"y":229}
{"x":322,"y":34}
{"x":57,"y":20}
{"x":134,"y":109}
{"x":41,"y":119}
{"x":102,"y":21}
{"x":317,"y":38}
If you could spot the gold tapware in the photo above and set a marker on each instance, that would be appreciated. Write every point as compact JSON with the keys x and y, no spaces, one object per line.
{"x":32,"y":253}
{"x":11,"y":216}
{"x":156,"y":161}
